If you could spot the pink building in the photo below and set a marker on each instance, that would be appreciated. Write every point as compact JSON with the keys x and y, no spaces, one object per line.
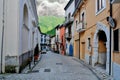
{"x":62,"y":39}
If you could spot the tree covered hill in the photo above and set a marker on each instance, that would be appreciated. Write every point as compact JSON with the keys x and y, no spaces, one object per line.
{"x":48,"y":23}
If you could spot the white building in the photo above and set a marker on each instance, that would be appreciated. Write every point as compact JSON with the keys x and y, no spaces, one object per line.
{"x":48,"y":42}
{"x":43,"y":41}
{"x":57,"y":39}
{"x":53,"y":43}
{"x":69,"y":26}
{"x":20,"y":32}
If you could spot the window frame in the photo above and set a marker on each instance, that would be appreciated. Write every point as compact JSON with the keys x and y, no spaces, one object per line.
{"x":89,"y":43}
{"x":81,"y":18}
{"x":102,"y":6}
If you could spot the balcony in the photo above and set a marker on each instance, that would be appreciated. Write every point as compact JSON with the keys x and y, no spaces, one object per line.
{"x":81,"y":27}
{"x":69,"y":21}
{"x":68,"y":36}
{"x":115,"y":1}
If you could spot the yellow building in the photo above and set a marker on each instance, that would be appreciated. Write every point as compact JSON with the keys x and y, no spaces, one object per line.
{"x":116,"y":39}
{"x":92,"y":34}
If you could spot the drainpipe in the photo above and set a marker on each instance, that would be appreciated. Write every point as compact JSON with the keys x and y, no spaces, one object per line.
{"x":2,"y":38}
{"x":110,"y":59}
{"x":79,"y":45}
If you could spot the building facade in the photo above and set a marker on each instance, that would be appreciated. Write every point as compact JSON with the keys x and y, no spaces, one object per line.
{"x":43,"y":42}
{"x":92,"y":36}
{"x":20,"y":32}
{"x":116,"y":39}
{"x":69,"y":27}
{"x":62,"y":40}
{"x":53,"y":43}
{"x":57,"y":39}
{"x":48,"y":41}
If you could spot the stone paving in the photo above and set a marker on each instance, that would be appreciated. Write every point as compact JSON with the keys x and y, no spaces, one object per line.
{"x":97,"y":71}
{"x":55,"y":67}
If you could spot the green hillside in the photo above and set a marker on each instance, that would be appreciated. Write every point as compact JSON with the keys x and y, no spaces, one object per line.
{"x":51,"y":32}
{"x":48,"y":23}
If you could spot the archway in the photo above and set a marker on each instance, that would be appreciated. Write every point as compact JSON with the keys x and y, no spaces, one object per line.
{"x":101,"y":46}
{"x":25,"y":30}
{"x":25,"y":37}
{"x":101,"y":59}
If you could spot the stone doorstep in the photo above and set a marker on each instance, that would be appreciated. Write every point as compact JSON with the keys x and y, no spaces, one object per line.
{"x":99,"y":74}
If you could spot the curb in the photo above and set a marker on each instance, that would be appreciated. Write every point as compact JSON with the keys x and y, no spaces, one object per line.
{"x":94,"y":71}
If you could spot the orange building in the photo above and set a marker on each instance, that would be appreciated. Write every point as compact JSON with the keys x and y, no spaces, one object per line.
{"x":62,"y":40}
{"x":92,"y":35}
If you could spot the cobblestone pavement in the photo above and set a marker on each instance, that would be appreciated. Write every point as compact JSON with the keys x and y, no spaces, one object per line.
{"x":54,"y":66}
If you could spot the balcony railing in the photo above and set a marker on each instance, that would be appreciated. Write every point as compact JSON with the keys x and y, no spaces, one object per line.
{"x":70,"y":19}
{"x":115,"y":1}
{"x":81,"y":27}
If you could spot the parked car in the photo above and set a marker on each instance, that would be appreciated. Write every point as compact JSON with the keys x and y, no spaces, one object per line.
{"x":43,"y":51}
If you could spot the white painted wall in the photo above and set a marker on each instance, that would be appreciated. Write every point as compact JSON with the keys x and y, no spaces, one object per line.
{"x":39,"y":37}
{"x":1,"y":25}
{"x":53,"y":40}
{"x":11,"y":28}
{"x":70,"y":9}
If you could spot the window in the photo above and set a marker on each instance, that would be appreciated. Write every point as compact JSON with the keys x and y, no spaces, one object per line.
{"x":45,"y":40}
{"x":69,"y":15}
{"x":89,"y":43}
{"x":83,"y":20}
{"x":41,"y":39}
{"x":76,"y":23}
{"x":65,"y":20}
{"x":116,"y":40}
{"x":100,"y":5}
{"x":69,"y":30}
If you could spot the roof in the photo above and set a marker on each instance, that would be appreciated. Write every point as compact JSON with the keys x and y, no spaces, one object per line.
{"x":77,"y":7}
{"x":52,"y":36}
{"x":68,"y":4}
{"x":68,"y":23}
{"x":62,"y":25}
{"x":57,"y":26}
{"x":43,"y":34}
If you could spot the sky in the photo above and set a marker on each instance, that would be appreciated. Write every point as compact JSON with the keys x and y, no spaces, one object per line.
{"x":51,"y":7}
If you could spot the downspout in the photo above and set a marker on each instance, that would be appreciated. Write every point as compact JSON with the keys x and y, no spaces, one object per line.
{"x":79,"y":35}
{"x":110,"y":65}
{"x":2,"y":38}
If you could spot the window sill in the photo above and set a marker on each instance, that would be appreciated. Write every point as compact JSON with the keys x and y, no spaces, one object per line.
{"x":116,"y":51}
{"x":98,"y":12}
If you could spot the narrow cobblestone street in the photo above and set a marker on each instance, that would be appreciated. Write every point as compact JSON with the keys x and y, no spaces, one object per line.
{"x":54,"y":66}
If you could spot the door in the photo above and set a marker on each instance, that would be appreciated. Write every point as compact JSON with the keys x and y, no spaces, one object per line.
{"x":77,"y":48}
{"x":83,"y":50}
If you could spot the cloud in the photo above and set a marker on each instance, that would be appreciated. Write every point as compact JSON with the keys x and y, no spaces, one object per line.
{"x":51,"y":7}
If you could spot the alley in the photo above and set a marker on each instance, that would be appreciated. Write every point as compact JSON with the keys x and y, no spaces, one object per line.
{"x":54,"y":66}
